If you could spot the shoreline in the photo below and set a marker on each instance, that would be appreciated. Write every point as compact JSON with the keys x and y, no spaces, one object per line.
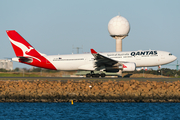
{"x":89,"y":91}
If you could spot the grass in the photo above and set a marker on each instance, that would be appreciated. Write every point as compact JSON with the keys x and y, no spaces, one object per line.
{"x":5,"y":74}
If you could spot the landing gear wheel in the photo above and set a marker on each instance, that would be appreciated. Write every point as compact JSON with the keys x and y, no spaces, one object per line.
{"x":103,"y":75}
{"x":88,"y":75}
{"x":93,"y":75}
{"x":97,"y":75}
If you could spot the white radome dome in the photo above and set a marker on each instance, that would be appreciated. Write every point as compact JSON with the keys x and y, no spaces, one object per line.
{"x":118,"y":26}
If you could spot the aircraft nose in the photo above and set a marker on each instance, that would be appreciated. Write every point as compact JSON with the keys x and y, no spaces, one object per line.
{"x":174,"y":58}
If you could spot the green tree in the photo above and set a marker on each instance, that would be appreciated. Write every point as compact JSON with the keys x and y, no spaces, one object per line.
{"x":3,"y":70}
{"x":16,"y":69}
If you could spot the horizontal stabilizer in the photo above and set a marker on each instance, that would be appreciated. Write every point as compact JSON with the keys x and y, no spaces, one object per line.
{"x":23,"y":59}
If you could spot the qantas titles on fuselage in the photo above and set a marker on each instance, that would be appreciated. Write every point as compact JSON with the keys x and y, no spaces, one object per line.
{"x":147,"y":53}
{"x":111,"y":55}
{"x":142,"y":53}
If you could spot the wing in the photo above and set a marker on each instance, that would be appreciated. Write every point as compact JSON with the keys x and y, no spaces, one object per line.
{"x":103,"y":60}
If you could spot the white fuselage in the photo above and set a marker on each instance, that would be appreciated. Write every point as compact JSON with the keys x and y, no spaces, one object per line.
{"x":86,"y":61}
{"x":113,"y":61}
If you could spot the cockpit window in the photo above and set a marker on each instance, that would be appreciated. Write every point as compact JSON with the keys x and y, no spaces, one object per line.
{"x":170,"y":53}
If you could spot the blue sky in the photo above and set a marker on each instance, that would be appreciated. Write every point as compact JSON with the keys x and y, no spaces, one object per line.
{"x":54,"y":27}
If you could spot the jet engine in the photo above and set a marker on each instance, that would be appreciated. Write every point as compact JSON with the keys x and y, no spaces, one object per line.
{"x":123,"y":67}
{"x":129,"y":66}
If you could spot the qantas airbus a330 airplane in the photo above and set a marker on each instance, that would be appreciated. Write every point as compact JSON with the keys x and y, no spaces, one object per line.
{"x":109,"y":62}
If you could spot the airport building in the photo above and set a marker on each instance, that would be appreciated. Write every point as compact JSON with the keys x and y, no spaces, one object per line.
{"x":6,"y":64}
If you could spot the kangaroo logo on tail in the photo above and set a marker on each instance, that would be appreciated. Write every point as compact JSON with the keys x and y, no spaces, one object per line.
{"x":25,"y":49}
{"x":26,"y":53}
{"x":21,"y":47}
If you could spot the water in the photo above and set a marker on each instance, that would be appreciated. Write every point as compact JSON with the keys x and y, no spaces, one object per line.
{"x":105,"y":111}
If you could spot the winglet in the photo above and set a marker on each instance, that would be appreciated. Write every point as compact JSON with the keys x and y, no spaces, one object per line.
{"x":93,"y":51}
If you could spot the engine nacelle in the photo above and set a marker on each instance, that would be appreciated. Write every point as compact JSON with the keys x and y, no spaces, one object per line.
{"x":123,"y":67}
{"x":128,"y":66}
{"x":112,"y":70}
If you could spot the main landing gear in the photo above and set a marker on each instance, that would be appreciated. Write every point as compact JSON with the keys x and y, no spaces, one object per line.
{"x":97,"y":75}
